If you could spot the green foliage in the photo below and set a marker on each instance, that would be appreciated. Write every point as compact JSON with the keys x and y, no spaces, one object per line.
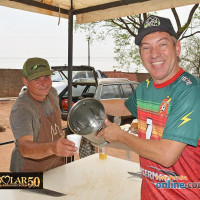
{"x":126,"y":52}
{"x":197,"y":14}
{"x":190,"y":57}
{"x":123,"y":32}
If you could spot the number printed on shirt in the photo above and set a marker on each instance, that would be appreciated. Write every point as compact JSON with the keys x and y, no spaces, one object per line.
{"x":149,"y":128}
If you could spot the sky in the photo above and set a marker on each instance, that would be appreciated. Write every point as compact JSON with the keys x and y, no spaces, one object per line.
{"x":24,"y":34}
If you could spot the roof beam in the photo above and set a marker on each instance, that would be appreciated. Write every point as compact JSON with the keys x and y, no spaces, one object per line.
{"x":39,"y":4}
{"x":107,"y":5}
{"x":42,"y":5}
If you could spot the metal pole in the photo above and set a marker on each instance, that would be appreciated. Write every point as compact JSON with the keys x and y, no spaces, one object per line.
{"x":70,"y":55}
{"x":88,"y":51}
{"x":70,"y":63}
{"x":8,"y":142}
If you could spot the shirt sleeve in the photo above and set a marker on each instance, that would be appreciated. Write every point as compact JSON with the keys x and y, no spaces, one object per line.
{"x":21,"y":122}
{"x":183,"y":123}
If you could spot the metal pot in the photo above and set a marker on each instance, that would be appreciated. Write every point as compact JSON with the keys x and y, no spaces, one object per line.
{"x":86,"y":118}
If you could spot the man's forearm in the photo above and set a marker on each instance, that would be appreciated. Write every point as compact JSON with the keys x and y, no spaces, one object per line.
{"x":115,"y":107}
{"x":164,"y":152}
{"x":38,"y":150}
{"x":35,"y":150}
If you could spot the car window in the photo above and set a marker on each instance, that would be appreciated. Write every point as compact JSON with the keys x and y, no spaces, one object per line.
{"x":127,"y":90}
{"x":84,"y":74}
{"x":110,"y":91}
{"x":92,"y":89}
{"x":57,"y":77}
{"x":76,"y":91}
{"x":79,"y":89}
{"x":134,"y":85}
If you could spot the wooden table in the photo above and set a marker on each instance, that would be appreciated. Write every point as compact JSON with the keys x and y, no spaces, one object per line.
{"x":87,"y":179}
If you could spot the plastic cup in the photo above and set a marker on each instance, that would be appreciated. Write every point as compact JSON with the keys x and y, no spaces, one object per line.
{"x":102,"y":153}
{"x":76,"y":139}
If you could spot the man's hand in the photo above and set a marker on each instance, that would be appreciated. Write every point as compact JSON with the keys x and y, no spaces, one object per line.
{"x":164,"y":152}
{"x":111,"y":133}
{"x":64,"y":148}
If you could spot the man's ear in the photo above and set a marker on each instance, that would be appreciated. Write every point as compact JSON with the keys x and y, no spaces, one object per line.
{"x":24,"y":80}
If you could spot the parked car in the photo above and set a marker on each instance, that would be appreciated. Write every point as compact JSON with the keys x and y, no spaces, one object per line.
{"x":95,"y":87}
{"x":115,"y":88}
{"x":59,"y":81}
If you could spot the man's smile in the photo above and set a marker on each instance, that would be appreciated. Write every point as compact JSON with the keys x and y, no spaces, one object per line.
{"x":157,"y":63}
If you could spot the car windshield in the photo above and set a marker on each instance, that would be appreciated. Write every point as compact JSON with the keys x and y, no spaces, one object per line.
{"x":80,"y":89}
{"x":82,"y":74}
{"x":58,"y":77}
{"x":76,"y":76}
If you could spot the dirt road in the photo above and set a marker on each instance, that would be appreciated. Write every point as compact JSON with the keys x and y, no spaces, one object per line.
{"x":6,"y":150}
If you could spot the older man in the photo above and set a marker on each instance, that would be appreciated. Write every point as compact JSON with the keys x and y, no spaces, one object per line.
{"x":36,"y":123}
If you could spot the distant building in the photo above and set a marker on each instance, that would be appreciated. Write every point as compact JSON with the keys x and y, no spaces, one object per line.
{"x":139,"y":77}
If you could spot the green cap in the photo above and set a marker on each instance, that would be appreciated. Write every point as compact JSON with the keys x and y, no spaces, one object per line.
{"x":36,"y":67}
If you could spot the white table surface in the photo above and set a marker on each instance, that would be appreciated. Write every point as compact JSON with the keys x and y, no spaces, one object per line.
{"x":87,"y":179}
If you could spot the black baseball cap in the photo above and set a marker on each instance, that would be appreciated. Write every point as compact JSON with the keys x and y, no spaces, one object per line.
{"x":153,"y":24}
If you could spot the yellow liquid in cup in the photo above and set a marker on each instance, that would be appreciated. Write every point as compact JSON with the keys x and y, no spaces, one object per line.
{"x":102,"y":153}
{"x":102,"y":156}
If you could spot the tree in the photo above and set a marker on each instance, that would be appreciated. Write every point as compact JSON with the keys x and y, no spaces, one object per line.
{"x":124,"y":29}
{"x":190,"y":58}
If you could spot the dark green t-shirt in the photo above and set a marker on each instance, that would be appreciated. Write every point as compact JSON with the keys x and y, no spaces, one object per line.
{"x":170,"y":111}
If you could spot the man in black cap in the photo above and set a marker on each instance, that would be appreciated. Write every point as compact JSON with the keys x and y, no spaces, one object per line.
{"x":167,"y":107}
{"x":36,"y":123}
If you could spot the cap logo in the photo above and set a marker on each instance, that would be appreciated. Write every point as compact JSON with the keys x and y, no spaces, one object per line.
{"x":152,"y":21}
{"x":37,"y":66}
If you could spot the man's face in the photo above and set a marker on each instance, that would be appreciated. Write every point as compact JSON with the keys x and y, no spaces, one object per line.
{"x":159,"y":55}
{"x":39,"y":87}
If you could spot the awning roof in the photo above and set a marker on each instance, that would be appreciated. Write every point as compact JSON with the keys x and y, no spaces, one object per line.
{"x":94,"y":10}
